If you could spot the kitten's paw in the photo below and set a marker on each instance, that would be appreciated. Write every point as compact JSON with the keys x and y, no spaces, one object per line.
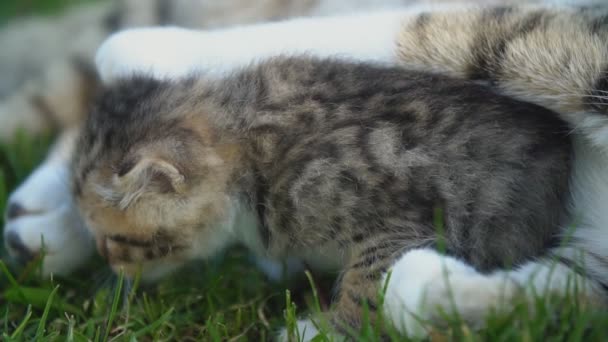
{"x":163,"y":53}
{"x":424,"y":283}
{"x":41,"y":218}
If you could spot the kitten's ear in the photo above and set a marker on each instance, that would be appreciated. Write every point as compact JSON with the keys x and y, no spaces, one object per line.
{"x":148,"y":175}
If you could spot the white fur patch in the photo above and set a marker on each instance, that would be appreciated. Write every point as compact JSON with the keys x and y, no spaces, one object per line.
{"x":423,"y":282}
{"x":52,"y":219}
{"x":589,"y":203}
{"x":174,"y":52}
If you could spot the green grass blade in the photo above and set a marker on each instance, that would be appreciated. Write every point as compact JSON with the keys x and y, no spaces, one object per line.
{"x":290,"y":317}
{"x":97,"y":334}
{"x":17,"y":333}
{"x":315,"y":295}
{"x":8,"y":274}
{"x":114,"y":309}
{"x":6,"y":318}
{"x":154,"y":325}
{"x":37,"y":297}
{"x":45,"y":315}
{"x":12,"y":281}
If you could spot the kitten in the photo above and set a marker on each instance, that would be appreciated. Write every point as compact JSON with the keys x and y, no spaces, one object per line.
{"x":554,"y":57}
{"x":343,"y":165}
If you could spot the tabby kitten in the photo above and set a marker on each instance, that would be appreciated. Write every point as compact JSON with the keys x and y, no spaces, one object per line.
{"x":552,"y":57}
{"x":343,"y":165}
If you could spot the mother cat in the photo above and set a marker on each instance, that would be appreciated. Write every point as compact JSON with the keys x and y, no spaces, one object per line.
{"x":553,"y":58}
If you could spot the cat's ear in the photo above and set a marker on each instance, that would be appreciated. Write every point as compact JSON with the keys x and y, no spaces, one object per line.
{"x":147,"y":176}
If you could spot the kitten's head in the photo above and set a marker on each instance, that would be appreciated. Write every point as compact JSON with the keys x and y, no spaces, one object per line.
{"x":151,"y":179}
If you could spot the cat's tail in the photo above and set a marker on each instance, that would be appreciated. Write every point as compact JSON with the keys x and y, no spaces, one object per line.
{"x":554,"y":57}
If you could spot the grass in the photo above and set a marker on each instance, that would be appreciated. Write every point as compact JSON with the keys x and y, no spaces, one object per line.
{"x":225,"y":299}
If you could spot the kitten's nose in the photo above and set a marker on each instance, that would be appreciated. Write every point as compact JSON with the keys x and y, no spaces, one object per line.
{"x":14,"y":211}
{"x":18,"y":248}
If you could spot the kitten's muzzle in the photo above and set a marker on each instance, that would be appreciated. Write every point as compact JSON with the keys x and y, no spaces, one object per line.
{"x":127,"y":249}
{"x":130,"y":256}
{"x":115,"y":249}
{"x":122,"y":258}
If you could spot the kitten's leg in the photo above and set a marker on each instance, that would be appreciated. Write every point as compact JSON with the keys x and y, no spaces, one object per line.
{"x":41,"y":215}
{"x":359,"y":292}
{"x":174,"y":52}
{"x":359,"y":287}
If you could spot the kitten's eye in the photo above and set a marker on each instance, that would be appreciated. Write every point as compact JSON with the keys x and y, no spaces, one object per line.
{"x":125,"y":167}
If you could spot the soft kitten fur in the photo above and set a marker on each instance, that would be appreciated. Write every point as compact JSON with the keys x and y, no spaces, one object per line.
{"x":348,"y":162}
